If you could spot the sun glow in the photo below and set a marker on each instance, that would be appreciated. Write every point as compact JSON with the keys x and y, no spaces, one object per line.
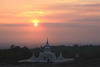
{"x":36,"y":22}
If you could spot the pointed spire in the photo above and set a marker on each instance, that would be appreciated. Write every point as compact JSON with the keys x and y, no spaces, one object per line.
{"x":60,"y":56}
{"x":33,"y":57}
{"x":47,"y":43}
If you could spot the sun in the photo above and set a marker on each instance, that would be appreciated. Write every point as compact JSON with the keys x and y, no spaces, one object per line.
{"x":36,"y":22}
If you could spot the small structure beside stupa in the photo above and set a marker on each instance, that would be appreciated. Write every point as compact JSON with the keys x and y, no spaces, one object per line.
{"x":48,"y":56}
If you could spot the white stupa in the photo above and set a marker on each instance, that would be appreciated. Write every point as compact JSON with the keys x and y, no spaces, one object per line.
{"x":47,"y":56}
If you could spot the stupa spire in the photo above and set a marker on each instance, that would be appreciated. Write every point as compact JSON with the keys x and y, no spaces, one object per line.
{"x":60,"y":56}
{"x":47,"y":43}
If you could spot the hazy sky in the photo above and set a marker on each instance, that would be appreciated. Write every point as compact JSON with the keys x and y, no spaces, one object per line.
{"x":62,"y":21}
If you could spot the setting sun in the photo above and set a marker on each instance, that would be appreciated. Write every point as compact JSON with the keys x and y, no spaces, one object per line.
{"x":35,"y":24}
{"x":35,"y":21}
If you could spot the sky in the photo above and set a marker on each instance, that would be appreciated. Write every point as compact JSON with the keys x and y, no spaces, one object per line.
{"x":31,"y":22}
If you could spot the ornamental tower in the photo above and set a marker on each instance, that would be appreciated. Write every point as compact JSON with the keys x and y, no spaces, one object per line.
{"x":47,"y":47}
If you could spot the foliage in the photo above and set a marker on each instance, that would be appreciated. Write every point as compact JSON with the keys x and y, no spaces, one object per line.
{"x":16,"y":53}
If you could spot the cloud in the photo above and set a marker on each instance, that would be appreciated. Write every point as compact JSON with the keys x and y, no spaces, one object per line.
{"x":89,"y":19}
{"x":70,"y":25}
{"x":88,"y":12}
{"x":14,"y":25}
{"x":91,"y":5}
{"x":64,"y":6}
{"x":56,"y":25}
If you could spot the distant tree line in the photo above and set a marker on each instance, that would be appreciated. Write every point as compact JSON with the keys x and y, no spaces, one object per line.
{"x":16,"y":53}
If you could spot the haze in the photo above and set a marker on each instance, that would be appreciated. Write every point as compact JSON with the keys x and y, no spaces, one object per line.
{"x":62,"y":21}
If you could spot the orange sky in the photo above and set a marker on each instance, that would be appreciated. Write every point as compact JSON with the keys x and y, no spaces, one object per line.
{"x":16,"y":11}
{"x":61,"y":21}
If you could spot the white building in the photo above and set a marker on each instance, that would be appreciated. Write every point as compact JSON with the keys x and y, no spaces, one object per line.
{"x":47,"y":56}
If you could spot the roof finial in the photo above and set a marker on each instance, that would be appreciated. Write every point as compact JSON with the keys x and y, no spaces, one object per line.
{"x":47,"y":41}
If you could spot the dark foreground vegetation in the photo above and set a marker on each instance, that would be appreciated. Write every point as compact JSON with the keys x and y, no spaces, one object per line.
{"x":89,"y":55}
